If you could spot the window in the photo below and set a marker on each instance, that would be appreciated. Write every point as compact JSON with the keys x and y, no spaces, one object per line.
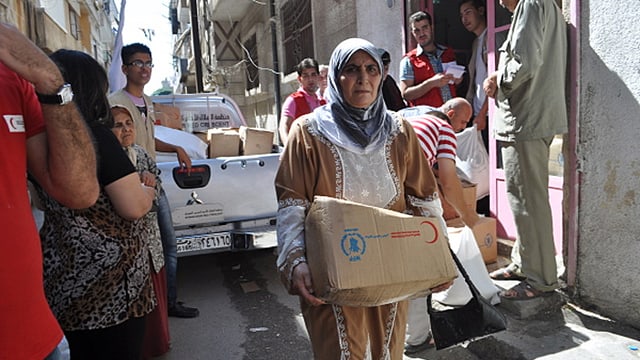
{"x":251,"y":63}
{"x":297,"y":32}
{"x":73,"y":23}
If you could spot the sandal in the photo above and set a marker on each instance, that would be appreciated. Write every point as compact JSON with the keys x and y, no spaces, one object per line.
{"x":506,"y":273}
{"x":524,"y":291}
{"x":414,"y":349}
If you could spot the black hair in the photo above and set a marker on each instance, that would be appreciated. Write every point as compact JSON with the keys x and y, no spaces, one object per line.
{"x":89,"y":82}
{"x":419,"y":16}
{"x":386,"y":58}
{"x":475,"y":3}
{"x":128,"y":51}
{"x":307,"y":63}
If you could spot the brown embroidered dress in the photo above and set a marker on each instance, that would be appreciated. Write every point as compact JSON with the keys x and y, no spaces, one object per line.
{"x":395,"y":176}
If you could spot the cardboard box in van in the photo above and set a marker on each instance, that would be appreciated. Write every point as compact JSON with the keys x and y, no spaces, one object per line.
{"x":223,"y":142}
{"x":256,"y":141}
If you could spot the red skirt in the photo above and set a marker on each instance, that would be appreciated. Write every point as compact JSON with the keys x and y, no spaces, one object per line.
{"x":156,"y":337}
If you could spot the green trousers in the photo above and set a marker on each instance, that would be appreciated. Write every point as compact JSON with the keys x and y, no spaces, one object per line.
{"x":526,"y":168}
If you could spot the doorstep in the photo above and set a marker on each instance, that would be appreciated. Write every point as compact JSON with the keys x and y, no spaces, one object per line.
{"x":504,"y":255}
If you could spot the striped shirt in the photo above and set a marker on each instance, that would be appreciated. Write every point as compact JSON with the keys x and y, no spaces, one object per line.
{"x":437,"y":138}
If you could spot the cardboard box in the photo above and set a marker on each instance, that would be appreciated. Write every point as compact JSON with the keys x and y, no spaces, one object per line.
{"x":469,"y":196}
{"x":256,"y":141}
{"x":202,"y":136}
{"x":167,"y":115}
{"x":485,"y":234}
{"x":361,"y":255}
{"x":223,"y":142}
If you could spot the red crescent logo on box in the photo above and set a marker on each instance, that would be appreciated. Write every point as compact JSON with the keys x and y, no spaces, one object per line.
{"x":435,"y":231}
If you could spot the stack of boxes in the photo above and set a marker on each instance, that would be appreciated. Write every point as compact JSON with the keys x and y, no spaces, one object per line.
{"x":235,"y":142}
{"x":484,"y":231}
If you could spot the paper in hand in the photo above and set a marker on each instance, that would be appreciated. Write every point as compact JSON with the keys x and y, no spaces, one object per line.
{"x":454,"y":69}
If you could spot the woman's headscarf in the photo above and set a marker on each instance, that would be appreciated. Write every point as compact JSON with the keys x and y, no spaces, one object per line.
{"x":365,"y":128}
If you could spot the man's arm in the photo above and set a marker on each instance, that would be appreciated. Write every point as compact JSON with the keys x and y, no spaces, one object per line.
{"x":523,"y":57}
{"x":62,"y":159}
{"x":411,"y":91}
{"x":283,"y":128}
{"x":452,"y":190}
{"x":481,"y":118}
{"x":183,"y":157}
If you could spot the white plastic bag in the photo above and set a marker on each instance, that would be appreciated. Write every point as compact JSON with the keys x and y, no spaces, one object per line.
{"x":472,"y":160}
{"x":192,"y":145}
{"x":464,"y":245}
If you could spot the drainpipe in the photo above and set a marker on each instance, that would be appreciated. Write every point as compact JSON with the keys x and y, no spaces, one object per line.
{"x":276,"y":66}
{"x":195,"y":36}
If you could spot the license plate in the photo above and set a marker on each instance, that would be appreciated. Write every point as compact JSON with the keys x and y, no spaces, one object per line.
{"x":207,"y":242}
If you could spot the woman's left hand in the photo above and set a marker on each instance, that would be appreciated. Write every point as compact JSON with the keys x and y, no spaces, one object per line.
{"x":302,"y":285}
{"x":441,"y":287}
{"x":148,"y":179}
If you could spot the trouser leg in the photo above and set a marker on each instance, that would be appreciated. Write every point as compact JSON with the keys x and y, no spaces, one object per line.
{"x":527,"y":179}
{"x":418,"y":323}
{"x":169,"y":247}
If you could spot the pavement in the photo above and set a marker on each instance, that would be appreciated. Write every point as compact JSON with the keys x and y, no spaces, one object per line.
{"x":550,"y":328}
{"x":547,"y":328}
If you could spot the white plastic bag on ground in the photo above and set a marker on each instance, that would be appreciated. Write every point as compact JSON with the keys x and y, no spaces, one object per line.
{"x":472,"y":160}
{"x":194,"y":147}
{"x":464,"y":245}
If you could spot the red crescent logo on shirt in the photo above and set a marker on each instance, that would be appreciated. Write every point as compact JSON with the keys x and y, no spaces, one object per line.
{"x":15,"y":123}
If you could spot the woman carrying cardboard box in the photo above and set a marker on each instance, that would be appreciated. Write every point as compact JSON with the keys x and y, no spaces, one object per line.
{"x":353,"y":149}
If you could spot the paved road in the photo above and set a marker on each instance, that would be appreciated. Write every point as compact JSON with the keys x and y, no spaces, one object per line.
{"x":244,"y":311}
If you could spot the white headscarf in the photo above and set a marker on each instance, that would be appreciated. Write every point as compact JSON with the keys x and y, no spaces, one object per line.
{"x":346,"y":126}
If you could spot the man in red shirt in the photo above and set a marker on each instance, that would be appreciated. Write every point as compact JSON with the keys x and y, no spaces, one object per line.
{"x":51,"y":142}
{"x":304,"y":100}
{"x":423,"y":80}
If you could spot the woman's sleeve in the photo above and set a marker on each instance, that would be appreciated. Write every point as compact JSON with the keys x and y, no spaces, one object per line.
{"x":149,"y":165}
{"x":294,"y":181}
{"x":113,"y":162}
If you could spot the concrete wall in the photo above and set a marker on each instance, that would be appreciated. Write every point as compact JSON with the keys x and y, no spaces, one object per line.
{"x":608,"y":148}
{"x":333,"y":21}
{"x":386,"y":33}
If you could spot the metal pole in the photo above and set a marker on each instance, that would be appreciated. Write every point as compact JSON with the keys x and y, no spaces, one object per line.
{"x":276,"y":66}
{"x":197,"y":52}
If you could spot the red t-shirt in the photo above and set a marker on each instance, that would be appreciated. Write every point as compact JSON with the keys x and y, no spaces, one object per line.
{"x":28,"y":329}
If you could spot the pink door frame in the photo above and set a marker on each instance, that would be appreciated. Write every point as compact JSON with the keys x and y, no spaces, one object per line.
{"x":567,"y":187}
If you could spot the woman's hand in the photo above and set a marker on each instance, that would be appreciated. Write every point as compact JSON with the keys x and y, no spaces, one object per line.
{"x":441,"y":287}
{"x":148,"y":179}
{"x":302,"y":285}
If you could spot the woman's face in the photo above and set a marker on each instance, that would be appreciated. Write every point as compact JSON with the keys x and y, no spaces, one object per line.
{"x":360,"y":79}
{"x":123,"y":127}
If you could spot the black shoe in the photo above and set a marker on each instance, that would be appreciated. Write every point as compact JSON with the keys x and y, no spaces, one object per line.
{"x":414,"y":349}
{"x":181,"y":311}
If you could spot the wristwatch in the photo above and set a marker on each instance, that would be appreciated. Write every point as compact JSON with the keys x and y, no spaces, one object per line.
{"x":63,"y":97}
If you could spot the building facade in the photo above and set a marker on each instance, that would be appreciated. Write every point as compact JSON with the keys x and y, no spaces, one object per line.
{"x":85,"y":25}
